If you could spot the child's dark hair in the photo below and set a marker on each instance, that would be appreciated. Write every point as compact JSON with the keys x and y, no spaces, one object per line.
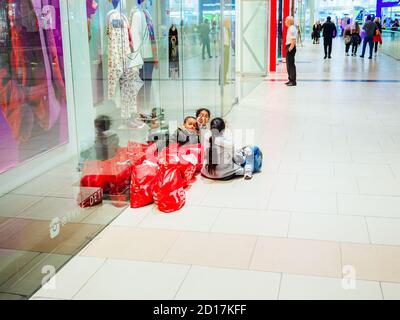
{"x":102,"y":123}
{"x":217,"y":125}
{"x":198,"y":111}
{"x":188,"y":118}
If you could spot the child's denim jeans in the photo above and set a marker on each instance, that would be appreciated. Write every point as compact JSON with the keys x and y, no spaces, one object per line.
{"x":253,"y":160}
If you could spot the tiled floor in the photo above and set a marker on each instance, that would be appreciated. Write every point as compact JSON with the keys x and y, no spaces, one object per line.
{"x":322,"y":221}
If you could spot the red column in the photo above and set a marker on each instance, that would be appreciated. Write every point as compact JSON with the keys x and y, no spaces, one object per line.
{"x":286,"y":13}
{"x":272,"y":36}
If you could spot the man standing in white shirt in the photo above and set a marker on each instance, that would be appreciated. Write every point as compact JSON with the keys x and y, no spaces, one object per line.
{"x":291,"y":37}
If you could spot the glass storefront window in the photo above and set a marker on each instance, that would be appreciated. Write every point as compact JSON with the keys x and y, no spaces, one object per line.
{"x":82,"y":83}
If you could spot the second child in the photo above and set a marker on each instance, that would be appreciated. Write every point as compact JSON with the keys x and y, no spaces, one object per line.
{"x":222,"y":161}
{"x":187,"y":134}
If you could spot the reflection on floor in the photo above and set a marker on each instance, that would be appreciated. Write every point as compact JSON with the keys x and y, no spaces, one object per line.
{"x":31,"y":245}
{"x":320,"y":222}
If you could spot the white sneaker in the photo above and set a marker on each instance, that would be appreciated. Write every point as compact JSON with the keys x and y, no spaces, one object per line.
{"x":248,"y":176}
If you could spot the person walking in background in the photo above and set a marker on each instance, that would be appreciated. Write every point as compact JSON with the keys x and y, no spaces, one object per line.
{"x":214,"y":35}
{"x":205,"y":38}
{"x":378,"y":35}
{"x":369,"y":27}
{"x":328,"y":33}
{"x":291,"y":37}
{"x":395,"y":25}
{"x":227,"y":47}
{"x":316,"y":33}
{"x":299,"y":40}
{"x":319,"y":29}
{"x":355,"y":38}
{"x":347,"y":36}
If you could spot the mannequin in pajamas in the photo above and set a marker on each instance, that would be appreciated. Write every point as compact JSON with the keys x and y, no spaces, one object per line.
{"x":119,"y":70}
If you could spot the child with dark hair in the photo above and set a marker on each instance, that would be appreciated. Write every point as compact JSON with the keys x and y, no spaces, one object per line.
{"x":187,"y":134}
{"x":222,"y":161}
{"x":203,"y":117}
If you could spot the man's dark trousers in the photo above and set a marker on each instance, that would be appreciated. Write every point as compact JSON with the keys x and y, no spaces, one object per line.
{"x":291,"y":67}
{"x":370,"y":41}
{"x":328,"y":47}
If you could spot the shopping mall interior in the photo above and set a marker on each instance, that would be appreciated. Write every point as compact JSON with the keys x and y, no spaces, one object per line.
{"x":99,"y":202}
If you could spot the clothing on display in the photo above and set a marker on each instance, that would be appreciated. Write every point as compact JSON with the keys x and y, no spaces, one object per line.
{"x":144,"y":41}
{"x":32,"y":89}
{"x":119,"y":69}
{"x":173,"y":52}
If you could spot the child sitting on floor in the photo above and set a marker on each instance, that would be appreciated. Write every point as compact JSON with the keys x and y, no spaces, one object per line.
{"x":222,"y":161}
{"x":187,"y":134}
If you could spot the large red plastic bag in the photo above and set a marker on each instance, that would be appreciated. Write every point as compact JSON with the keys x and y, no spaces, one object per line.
{"x":197,"y":150}
{"x":151,"y":153}
{"x":169,"y":193}
{"x":136,"y":153}
{"x":187,"y":166}
{"x":186,"y":163}
{"x":110,"y":175}
{"x":142,"y":184}
{"x":169,"y":155}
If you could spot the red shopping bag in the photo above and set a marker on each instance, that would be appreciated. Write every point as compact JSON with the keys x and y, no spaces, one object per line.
{"x":168,"y":193}
{"x":187,"y":166}
{"x":151,"y":152}
{"x":110,"y":175}
{"x":186,"y":163}
{"x":169,"y":155}
{"x":142,"y":184}
{"x":197,"y":150}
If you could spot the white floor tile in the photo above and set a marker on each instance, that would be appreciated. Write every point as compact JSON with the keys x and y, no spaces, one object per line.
{"x":323,"y":156}
{"x":362,"y":170}
{"x":132,"y":217}
{"x":220,"y":284}
{"x":303,"y":202}
{"x":70,"y":279}
{"x":294,"y":287}
{"x":328,"y":227}
{"x":376,"y":158}
{"x":306,"y":168}
{"x":241,"y":221}
{"x":375,"y":206}
{"x":379,"y":186}
{"x":188,"y":218}
{"x":236,"y":194}
{"x":391,"y":291}
{"x":131,"y":280}
{"x":384,"y":230}
{"x":326,"y":184}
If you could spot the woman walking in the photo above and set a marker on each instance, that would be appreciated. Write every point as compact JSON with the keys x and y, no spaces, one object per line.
{"x":347,"y":37}
{"x":377,"y":36}
{"x":355,"y":39}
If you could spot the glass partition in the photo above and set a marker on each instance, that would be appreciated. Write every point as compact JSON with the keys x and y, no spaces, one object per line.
{"x":391,"y":43}
{"x":82,"y":84}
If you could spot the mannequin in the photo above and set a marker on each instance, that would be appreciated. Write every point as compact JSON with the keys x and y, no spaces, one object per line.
{"x":173,"y":54}
{"x":120,"y":71}
{"x":144,"y":41}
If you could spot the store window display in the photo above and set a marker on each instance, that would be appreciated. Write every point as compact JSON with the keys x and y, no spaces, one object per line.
{"x":145,"y":42}
{"x":33,"y":113}
{"x":122,"y":67}
{"x":173,"y":52}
